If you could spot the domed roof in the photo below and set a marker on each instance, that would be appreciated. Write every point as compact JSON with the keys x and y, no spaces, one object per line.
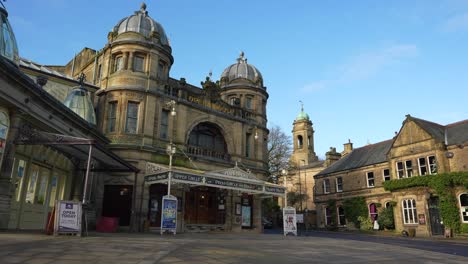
{"x":8,"y":47}
{"x":302,"y":115}
{"x":243,"y":71}
{"x":141,"y":23}
{"x":79,"y":101}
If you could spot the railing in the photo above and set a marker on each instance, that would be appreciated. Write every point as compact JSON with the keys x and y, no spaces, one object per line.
{"x":199,"y":151}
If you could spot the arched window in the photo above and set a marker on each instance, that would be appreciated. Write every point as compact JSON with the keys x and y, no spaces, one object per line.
{"x":206,"y":139}
{"x":373,"y":212}
{"x":300,"y":141}
{"x":464,"y":207}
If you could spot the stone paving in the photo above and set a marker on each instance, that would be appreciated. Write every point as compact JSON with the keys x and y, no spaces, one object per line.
{"x":207,"y":248}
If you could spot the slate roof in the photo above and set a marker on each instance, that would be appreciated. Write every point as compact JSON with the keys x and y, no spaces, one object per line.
{"x":457,"y":133}
{"x":360,"y":157}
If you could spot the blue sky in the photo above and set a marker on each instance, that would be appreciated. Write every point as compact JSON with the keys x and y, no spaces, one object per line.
{"x":358,"y":66}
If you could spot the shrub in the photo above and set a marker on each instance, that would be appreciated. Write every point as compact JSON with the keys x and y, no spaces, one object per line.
{"x":386,"y":219}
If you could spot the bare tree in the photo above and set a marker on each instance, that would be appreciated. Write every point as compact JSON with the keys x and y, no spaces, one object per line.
{"x":279,"y":152}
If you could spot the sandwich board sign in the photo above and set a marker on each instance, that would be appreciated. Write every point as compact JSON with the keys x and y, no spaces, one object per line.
{"x":289,"y":220}
{"x":67,"y":218}
{"x":169,"y":214}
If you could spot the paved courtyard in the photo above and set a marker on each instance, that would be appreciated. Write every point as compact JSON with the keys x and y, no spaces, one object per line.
{"x":227,"y":248}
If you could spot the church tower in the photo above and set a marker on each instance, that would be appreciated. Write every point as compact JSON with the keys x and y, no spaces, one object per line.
{"x":303,"y":137}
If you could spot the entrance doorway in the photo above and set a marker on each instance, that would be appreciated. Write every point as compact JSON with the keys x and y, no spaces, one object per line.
{"x":204,"y":205}
{"x":118,"y":202}
{"x":436,"y":226}
{"x":157,"y":191}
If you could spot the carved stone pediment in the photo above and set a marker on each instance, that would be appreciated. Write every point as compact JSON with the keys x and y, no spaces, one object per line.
{"x":153,"y":168}
{"x":236,"y":172}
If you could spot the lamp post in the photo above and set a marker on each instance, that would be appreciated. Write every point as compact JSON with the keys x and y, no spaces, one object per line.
{"x":284,"y":172}
{"x":170,"y":149}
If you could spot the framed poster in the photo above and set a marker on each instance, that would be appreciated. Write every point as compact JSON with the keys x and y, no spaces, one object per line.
{"x":422,"y":219}
{"x":169,"y":214}
{"x":246,"y":216}
{"x":290,"y":222}
{"x":67,"y":217}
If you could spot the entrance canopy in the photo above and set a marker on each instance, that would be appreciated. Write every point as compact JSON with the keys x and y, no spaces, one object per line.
{"x":232,"y":179}
{"x":77,"y":148}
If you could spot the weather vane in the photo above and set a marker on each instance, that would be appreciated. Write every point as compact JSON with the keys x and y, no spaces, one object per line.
{"x":302,"y":105}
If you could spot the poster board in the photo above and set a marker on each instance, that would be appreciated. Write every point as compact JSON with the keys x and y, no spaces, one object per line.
{"x":246,"y":216}
{"x":68,"y":217}
{"x":299,"y":218}
{"x":169,"y":214}
{"x":289,"y":221}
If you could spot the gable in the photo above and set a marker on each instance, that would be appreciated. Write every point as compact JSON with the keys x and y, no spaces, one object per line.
{"x":411,"y":133}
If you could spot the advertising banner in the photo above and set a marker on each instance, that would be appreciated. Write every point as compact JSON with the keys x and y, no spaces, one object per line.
{"x":289,"y":220}
{"x":169,"y":214}
{"x":67,"y":217}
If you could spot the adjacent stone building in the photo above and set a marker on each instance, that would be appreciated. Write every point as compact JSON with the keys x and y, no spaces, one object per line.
{"x":420,"y":148}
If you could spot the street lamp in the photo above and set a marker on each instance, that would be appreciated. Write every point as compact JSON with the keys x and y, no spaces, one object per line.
{"x":284,"y":173}
{"x":171,"y":148}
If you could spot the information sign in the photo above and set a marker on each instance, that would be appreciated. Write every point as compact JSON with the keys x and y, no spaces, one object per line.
{"x":67,"y":217}
{"x":289,"y":220}
{"x":169,"y":214}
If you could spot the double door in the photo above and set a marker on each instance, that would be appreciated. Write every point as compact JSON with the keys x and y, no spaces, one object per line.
{"x":36,"y":189}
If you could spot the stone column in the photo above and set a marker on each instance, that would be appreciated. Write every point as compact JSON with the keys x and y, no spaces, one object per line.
{"x":130,"y":61}
{"x":125,"y":61}
{"x":6,"y":168}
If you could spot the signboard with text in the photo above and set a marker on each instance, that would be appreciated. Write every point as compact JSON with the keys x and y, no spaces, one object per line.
{"x":289,"y":221}
{"x":169,"y":214}
{"x":67,"y":217}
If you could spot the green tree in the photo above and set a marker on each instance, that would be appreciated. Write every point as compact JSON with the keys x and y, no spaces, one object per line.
{"x":295,"y":198}
{"x":386,"y":218}
{"x":354,"y":208}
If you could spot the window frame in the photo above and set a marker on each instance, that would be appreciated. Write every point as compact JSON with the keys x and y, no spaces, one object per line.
{"x":408,"y":168}
{"x":249,"y":102}
{"x":385,"y":176}
{"x":409,"y":211}
{"x":421,"y":166}
{"x":112,"y":119}
{"x":326,"y":186}
{"x":328,"y":216}
{"x":400,"y":172}
{"x":339,"y":185}
{"x":369,"y":180}
{"x":341,"y":216}
{"x":143,"y":68}
{"x":432,"y":166}
{"x":463,"y":208}
{"x":118,"y":63}
{"x":127,"y":117}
